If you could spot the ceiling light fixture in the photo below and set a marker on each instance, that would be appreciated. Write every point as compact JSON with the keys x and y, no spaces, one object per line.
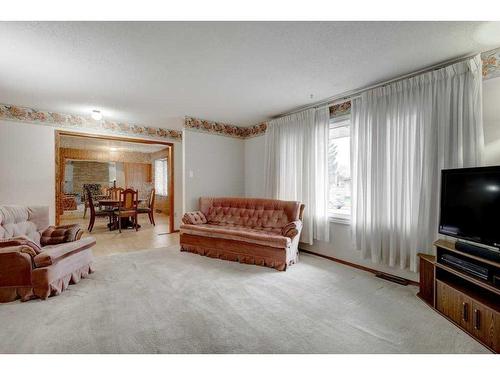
{"x":113,"y":149}
{"x":96,"y":115}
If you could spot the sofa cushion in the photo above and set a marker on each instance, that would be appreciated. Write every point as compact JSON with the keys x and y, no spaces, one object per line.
{"x":194,"y":217}
{"x":250,"y":212}
{"x":40,"y":216}
{"x":292,"y":229}
{"x":15,"y":221}
{"x":238,"y":233}
{"x":60,"y":234}
{"x":53,"y":253}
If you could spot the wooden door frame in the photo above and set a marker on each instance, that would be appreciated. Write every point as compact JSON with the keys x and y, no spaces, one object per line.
{"x":61,"y":161}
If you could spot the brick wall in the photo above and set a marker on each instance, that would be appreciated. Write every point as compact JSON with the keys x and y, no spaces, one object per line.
{"x":89,"y":172}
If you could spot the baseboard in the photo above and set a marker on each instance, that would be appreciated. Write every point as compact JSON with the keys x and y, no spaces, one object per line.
{"x":354,"y":265}
{"x":163,"y":234}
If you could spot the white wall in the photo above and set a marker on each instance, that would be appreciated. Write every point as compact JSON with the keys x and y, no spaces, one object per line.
{"x":340,"y":247}
{"x":254,"y":166}
{"x":27,"y":165}
{"x":213,"y":166}
{"x":491,"y":120}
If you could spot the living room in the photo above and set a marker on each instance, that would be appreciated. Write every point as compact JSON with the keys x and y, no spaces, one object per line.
{"x":250,"y":187}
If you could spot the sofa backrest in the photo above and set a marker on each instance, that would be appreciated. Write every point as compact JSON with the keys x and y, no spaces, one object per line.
{"x":250,"y":212}
{"x":30,"y":222}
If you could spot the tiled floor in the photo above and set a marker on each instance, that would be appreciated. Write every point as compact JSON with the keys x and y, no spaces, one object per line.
{"x":109,"y":242}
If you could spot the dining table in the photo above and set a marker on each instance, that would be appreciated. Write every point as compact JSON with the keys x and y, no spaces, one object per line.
{"x":127,"y":222}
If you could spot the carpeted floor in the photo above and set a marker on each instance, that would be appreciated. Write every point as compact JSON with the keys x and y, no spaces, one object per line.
{"x":165,"y":301}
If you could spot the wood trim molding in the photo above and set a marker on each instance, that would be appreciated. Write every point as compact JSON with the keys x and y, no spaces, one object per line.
{"x":171,"y":191}
{"x":59,"y":179}
{"x":354,"y":265}
{"x":61,"y":158}
{"x":107,"y":156}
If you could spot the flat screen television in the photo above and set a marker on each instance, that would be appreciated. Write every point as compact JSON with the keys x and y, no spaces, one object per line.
{"x":470,"y":205}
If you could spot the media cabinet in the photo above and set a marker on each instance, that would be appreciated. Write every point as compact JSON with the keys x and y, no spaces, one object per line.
{"x":471,"y":303}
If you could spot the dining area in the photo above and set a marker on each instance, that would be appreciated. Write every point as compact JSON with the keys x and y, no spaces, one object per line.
{"x":120,"y":191}
{"x":121,"y":217}
{"x":121,"y":206}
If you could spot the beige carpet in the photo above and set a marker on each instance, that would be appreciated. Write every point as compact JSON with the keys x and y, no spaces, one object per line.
{"x":165,"y":301}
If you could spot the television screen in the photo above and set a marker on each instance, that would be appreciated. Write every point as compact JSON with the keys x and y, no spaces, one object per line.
{"x":470,"y":204}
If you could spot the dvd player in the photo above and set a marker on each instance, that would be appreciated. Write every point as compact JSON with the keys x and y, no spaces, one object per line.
{"x":463,"y":265}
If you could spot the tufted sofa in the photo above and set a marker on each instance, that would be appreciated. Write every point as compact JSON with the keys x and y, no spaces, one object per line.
{"x":255,"y":231}
{"x":38,"y":260}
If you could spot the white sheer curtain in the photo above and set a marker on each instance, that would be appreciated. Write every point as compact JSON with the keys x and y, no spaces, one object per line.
{"x":297,"y":166}
{"x":402,"y":136}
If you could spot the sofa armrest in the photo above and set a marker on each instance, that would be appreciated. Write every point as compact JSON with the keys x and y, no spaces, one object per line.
{"x":30,"y":247}
{"x":292,"y":229}
{"x":15,"y":266}
{"x":195,"y":217}
{"x":63,"y":233}
{"x":54,"y":253}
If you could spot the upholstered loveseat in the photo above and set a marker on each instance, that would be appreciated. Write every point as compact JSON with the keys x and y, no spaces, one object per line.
{"x":38,"y":260}
{"x":255,"y":231}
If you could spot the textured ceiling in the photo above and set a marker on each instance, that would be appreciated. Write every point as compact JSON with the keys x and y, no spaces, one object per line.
{"x":155,"y":73}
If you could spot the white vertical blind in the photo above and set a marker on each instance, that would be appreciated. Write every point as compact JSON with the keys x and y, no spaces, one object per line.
{"x":161,"y":176}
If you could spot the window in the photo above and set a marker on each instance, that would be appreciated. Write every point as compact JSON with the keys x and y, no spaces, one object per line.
{"x":161,"y":177}
{"x":339,"y":169}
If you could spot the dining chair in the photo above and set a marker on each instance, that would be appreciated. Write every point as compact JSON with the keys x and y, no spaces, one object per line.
{"x":94,"y":189}
{"x":127,"y":207}
{"x":149,"y":209}
{"x":115,"y":193}
{"x":94,"y":213}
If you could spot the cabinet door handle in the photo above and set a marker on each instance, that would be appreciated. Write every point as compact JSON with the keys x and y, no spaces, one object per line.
{"x":477,"y":320}
{"x":465,"y":311}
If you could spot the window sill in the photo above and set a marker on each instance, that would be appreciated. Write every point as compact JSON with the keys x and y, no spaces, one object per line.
{"x":340,"y":220}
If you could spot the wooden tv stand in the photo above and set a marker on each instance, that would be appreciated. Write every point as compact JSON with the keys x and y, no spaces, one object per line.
{"x":469,"y":302}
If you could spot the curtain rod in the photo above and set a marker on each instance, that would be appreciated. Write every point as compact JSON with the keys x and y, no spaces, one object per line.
{"x":352,"y":94}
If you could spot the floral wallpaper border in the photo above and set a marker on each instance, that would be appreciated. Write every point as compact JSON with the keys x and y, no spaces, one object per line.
{"x":491,"y":63}
{"x":30,"y":115}
{"x":245,"y":132}
{"x":340,"y":109}
{"x":227,"y":130}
